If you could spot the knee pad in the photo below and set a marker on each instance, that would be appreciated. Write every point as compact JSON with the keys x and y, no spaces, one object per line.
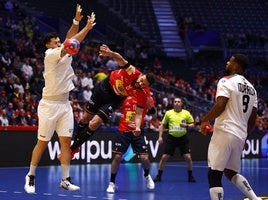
{"x":105,"y":112}
{"x":89,"y":107}
{"x":103,"y":116}
{"x":82,"y":138}
{"x":214,"y":178}
{"x":80,"y":127}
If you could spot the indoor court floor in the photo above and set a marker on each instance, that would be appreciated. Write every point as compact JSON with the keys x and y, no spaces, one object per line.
{"x":94,"y":178}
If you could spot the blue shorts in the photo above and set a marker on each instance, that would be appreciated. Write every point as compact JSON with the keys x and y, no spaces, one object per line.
{"x":124,"y":139}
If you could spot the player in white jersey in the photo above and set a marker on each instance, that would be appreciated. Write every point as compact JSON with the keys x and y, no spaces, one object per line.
{"x":54,"y":110}
{"x":235,"y":113}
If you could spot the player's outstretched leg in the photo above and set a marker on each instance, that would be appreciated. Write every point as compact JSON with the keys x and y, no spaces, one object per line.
{"x":81,"y":126}
{"x":82,"y":137}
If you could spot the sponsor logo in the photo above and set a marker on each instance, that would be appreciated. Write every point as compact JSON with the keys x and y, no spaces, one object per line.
{"x":251,"y":147}
{"x":98,"y":150}
{"x":256,"y":147}
{"x":264,"y":145}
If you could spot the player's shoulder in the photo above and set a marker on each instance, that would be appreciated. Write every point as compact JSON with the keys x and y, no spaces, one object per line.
{"x":228,"y":78}
{"x":132,"y":70}
{"x":51,"y":53}
{"x":147,"y":91}
{"x":185,"y":111}
{"x":51,"y":50}
{"x":169,"y":112}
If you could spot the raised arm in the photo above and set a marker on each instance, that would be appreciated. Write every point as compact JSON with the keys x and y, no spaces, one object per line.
{"x":90,"y":24}
{"x":105,"y":51}
{"x":75,"y":25}
{"x":81,"y":34}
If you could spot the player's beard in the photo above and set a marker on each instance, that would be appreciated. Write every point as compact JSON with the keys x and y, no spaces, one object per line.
{"x":137,"y":85}
{"x":226,"y":72}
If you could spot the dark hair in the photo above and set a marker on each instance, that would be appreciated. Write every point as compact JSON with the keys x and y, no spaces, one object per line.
{"x":242,"y":60}
{"x":49,"y":36}
{"x":150,"y":77}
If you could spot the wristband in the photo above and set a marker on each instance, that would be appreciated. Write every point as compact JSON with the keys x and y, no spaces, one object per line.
{"x":125,"y":66}
{"x":75,"y":22}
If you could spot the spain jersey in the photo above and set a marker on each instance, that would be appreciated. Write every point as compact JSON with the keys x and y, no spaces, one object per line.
{"x":122,"y":81}
{"x":242,"y":98}
{"x":128,"y":111}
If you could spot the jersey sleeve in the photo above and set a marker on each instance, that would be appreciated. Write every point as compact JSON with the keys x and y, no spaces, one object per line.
{"x":143,"y":96}
{"x":151,"y":102}
{"x":141,"y":99}
{"x":189,"y":118}
{"x":223,"y":88}
{"x":165,"y":118}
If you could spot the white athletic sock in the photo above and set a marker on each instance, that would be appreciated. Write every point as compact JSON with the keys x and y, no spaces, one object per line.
{"x":216,"y":193}
{"x":243,"y":185}
{"x":65,"y":171}
{"x":32,"y":170}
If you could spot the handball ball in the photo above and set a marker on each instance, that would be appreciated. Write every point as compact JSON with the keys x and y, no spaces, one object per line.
{"x":71,"y":46}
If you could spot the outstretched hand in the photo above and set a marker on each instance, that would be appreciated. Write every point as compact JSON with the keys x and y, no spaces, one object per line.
{"x":91,"y":21}
{"x":104,"y":51}
{"x":78,"y":17}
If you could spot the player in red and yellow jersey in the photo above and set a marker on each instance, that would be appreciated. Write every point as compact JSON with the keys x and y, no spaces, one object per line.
{"x":125,"y":137}
{"x":110,"y":93}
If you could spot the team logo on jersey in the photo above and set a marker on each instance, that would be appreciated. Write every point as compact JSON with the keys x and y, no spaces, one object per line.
{"x":120,"y":88}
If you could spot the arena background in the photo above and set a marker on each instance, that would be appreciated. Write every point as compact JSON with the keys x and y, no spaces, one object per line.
{"x":186,"y":42}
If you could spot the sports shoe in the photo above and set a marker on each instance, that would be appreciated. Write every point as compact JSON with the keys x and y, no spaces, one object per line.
{"x":74,"y":152}
{"x":191,"y":179}
{"x":29,"y":186}
{"x":68,"y":185}
{"x":71,"y":154}
{"x":157,"y":178}
{"x":111,"y":188}
{"x":149,"y":182}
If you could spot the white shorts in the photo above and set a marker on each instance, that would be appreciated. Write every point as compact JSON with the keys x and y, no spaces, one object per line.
{"x":54,"y":116}
{"x":225,"y":151}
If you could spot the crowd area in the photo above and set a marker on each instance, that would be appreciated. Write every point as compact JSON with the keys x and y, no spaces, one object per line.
{"x":21,"y":75}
